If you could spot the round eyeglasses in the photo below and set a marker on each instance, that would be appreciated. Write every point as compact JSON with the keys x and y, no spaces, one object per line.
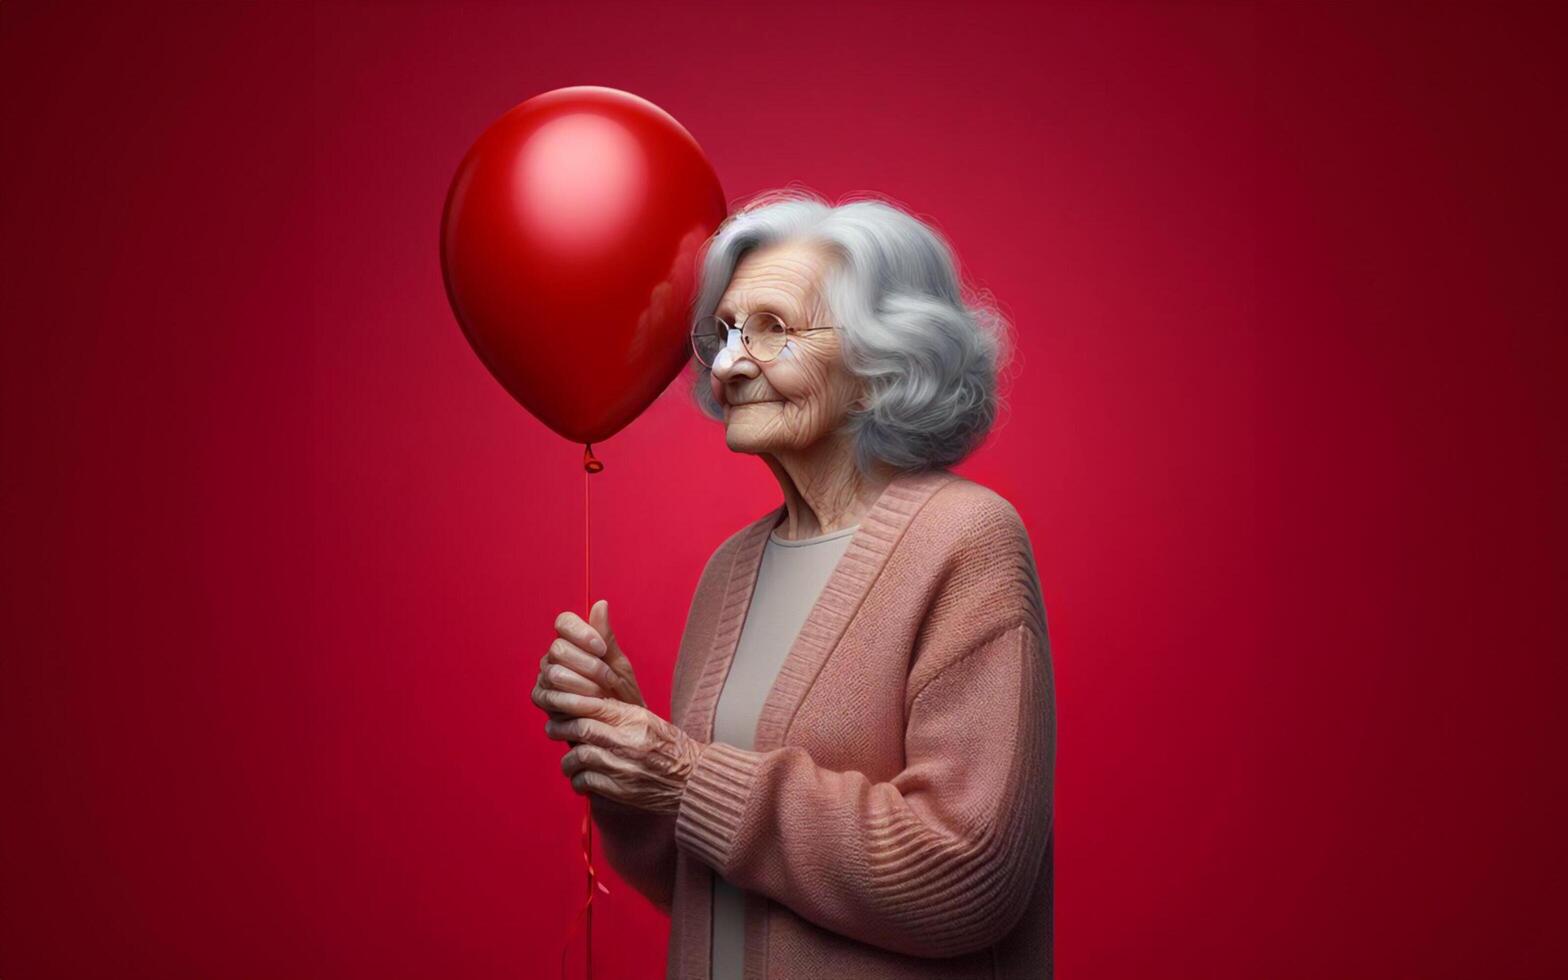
{"x":763,"y":334}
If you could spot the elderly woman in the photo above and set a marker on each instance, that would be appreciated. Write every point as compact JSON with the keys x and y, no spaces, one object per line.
{"x":856,"y":780}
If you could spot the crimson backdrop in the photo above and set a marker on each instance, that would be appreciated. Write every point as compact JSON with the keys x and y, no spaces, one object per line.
{"x":281,"y":558}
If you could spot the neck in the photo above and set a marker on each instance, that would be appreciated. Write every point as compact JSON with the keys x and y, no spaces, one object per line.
{"x":824,"y":491}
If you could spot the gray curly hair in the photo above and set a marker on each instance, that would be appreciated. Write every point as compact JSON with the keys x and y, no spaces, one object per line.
{"x":927,"y":350}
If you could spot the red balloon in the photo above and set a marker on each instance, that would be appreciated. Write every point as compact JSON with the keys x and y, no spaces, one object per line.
{"x":569,"y":246}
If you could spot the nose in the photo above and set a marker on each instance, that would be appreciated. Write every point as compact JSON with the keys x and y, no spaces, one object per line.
{"x":733,"y":361}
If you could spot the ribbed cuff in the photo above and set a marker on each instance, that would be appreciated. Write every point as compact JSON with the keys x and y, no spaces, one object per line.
{"x":715,"y":799}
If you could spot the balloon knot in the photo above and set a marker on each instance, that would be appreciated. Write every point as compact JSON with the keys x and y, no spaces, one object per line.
{"x":590,"y":461}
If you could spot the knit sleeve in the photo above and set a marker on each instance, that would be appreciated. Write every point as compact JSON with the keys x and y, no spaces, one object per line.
{"x":939,"y":861}
{"x":640,"y":846}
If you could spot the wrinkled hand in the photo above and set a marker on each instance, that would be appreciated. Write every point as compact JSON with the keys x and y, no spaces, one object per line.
{"x":585,"y":658}
{"x":628,"y":754}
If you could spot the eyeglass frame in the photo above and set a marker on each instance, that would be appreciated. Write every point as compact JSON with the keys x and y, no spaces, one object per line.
{"x":743,"y":339}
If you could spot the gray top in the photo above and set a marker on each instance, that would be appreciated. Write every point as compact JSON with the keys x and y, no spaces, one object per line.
{"x":789,"y":580}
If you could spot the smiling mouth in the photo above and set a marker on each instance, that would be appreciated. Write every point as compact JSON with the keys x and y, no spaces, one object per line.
{"x":755,"y":401}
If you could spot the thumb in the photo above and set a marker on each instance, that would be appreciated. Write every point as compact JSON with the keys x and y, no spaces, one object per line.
{"x":599,"y":619}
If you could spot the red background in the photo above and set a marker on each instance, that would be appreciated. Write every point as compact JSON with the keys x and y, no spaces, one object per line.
{"x":280,"y":558}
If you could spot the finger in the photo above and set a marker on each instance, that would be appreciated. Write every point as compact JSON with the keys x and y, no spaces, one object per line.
{"x":561,"y":646}
{"x":558,"y":716}
{"x":599,"y":617}
{"x":585,"y":664}
{"x":625,"y":677}
{"x":611,"y":680}
{"x":594,"y":757}
{"x":570,"y":626}
{"x":561,"y":678}
{"x":567,"y":702}
{"x":590,"y":730}
{"x":589,"y":781}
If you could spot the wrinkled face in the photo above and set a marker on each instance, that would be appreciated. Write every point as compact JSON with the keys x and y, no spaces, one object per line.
{"x":805,"y":392}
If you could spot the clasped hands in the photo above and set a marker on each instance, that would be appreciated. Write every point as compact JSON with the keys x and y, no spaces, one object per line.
{"x":619,"y":749}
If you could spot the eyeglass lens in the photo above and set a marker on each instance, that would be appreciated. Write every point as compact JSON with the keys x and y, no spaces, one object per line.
{"x":763,"y":335}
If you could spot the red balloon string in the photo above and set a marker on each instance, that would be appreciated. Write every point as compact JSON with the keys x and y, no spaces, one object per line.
{"x":587,"y":907}
{"x":591,"y":465}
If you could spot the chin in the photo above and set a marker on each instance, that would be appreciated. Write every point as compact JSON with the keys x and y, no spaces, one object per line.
{"x":751,"y":428}
{"x":742,"y":439}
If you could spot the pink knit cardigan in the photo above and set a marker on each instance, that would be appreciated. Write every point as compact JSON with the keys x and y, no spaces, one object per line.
{"x":895,"y":817}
